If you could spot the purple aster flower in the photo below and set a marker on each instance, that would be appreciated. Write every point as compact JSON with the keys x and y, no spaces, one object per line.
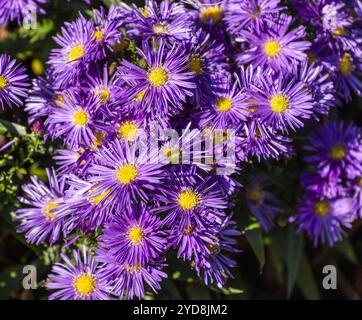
{"x":227,"y":106}
{"x":262,"y":204}
{"x":167,"y":20}
{"x":42,"y":218}
{"x":242,"y":14}
{"x":107,"y":28}
{"x":348,"y":74}
{"x":215,"y":266}
{"x":319,"y":84}
{"x":72,"y":119}
{"x":263,"y":142}
{"x":18,"y":10}
{"x":129,"y":281}
{"x":274,"y":46}
{"x":189,"y":195}
{"x":166,"y":83}
{"x":356,"y":187}
{"x":77,"y":49}
{"x":193,"y":240}
{"x":281,"y":101}
{"x":207,"y":57}
{"x":13,"y":82}
{"x":43,"y":95}
{"x":329,"y":186}
{"x":134,"y":236}
{"x":106,"y":88}
{"x":336,"y":150}
{"x":127,"y":174}
{"x":323,"y":220}
{"x":78,"y":280}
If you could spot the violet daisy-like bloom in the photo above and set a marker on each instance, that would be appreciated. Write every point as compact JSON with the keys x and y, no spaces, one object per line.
{"x":261,"y":141}
{"x":241,"y":14}
{"x":336,"y":150}
{"x":13,"y":82}
{"x":18,"y":10}
{"x":215,"y":267}
{"x":78,"y":280}
{"x":324,"y":187}
{"x":262,"y":204}
{"x":104,"y":87}
{"x":319,"y":83}
{"x":107,"y":28}
{"x":167,"y":20}
{"x":193,"y":240}
{"x":42,"y":218}
{"x":189,"y":195}
{"x":166,"y":83}
{"x":129,"y":281}
{"x":348,"y":74}
{"x":89,"y":208}
{"x":227,"y":107}
{"x":127,"y":174}
{"x":324,"y":220}
{"x":72,"y":119}
{"x":207,"y":57}
{"x":281,"y":101}
{"x":134,"y":236}
{"x":274,"y":46}
{"x":43,"y":95}
{"x":77,"y":49}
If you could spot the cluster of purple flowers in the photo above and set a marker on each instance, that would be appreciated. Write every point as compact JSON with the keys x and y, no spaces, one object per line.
{"x":239,"y":65}
{"x":334,"y":188}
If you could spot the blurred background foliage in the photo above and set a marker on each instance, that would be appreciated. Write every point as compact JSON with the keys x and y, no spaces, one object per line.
{"x":277,"y":265}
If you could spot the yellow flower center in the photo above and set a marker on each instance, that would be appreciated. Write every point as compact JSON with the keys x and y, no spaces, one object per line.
{"x":145,"y":12}
{"x":223,"y":104}
{"x":346,"y":65}
{"x":188,"y":199}
{"x":133,"y":269}
{"x":214,"y":249}
{"x":272,"y":48}
{"x":158,"y":77}
{"x":99,"y":35}
{"x":338,"y":152}
{"x":359,"y":182}
{"x":127,"y":173}
{"x":214,"y":13}
{"x":279,"y":103}
{"x":172,"y":154}
{"x":135,"y":235}
{"x":195,"y":64}
{"x":97,"y":199}
{"x":80,"y":118}
{"x":48,"y":210}
{"x":140,"y":95}
{"x":99,"y":137}
{"x":159,"y":29}
{"x":321,"y":208}
{"x":75,"y":53}
{"x":128,"y":130}
{"x":339,"y":32}
{"x":103,"y":94}
{"x":84,"y":284}
{"x":188,"y":229}
{"x":254,"y":194}
{"x":3,"y":83}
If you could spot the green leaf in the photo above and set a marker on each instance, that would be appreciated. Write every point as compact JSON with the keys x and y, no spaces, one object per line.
{"x":294,"y":255}
{"x":306,"y":281}
{"x":12,"y":128}
{"x":256,"y":242}
{"x":346,"y":249}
